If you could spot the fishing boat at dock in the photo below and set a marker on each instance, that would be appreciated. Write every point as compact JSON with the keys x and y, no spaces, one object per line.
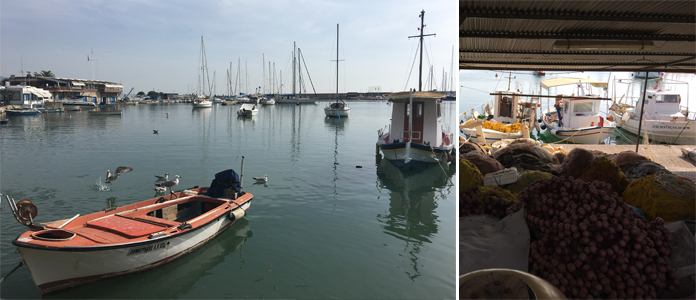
{"x":577,"y":119}
{"x":664,"y":118}
{"x":127,"y":239}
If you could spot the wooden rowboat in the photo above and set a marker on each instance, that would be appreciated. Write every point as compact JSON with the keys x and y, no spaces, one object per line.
{"x":126,"y":239}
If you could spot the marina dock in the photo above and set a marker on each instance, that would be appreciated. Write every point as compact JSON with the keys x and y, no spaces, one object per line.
{"x":669,"y":156}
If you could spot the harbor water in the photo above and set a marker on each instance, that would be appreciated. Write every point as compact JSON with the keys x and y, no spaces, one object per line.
{"x":334,"y":221}
{"x":477,"y":85}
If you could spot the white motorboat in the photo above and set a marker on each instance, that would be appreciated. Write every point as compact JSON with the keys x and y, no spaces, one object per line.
{"x":248,"y":110}
{"x":577,"y":119}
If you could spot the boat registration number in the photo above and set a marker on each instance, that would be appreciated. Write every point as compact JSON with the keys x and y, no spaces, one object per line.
{"x":146,"y":249}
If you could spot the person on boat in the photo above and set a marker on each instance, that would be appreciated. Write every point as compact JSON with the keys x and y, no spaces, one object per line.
{"x":559,"y":109}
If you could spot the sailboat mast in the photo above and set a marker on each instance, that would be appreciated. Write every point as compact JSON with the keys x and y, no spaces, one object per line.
{"x":336,"y":62}
{"x":294,"y":47}
{"x":263,"y":68}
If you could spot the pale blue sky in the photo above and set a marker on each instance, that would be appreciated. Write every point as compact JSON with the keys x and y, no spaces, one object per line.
{"x":156,"y":44}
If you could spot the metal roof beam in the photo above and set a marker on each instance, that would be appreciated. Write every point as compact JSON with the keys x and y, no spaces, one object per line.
{"x":605,"y":63}
{"x":576,"y":15}
{"x":615,"y":53}
{"x":574,"y":36}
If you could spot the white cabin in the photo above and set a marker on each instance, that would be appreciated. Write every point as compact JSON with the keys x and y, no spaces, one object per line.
{"x":661,"y":105}
{"x":28,"y":96}
{"x":427,"y":118}
{"x":506,"y":106}
{"x":580,"y":113}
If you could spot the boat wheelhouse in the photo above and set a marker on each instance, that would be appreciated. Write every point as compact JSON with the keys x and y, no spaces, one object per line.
{"x":417,"y":136}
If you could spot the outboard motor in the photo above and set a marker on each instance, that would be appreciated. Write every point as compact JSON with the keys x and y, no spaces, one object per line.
{"x":225,"y":185}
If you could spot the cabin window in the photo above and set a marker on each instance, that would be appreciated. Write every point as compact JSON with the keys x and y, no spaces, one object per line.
{"x":505,"y":107}
{"x":667,"y":99}
{"x":584,"y":107}
{"x":438,"y":110}
{"x":419,"y":110}
{"x":566,"y":107}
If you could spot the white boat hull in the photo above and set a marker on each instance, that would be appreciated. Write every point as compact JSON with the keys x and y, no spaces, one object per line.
{"x":584,"y":135}
{"x":678,"y":132}
{"x":335,"y":112}
{"x":57,"y":269}
{"x":491,"y":135}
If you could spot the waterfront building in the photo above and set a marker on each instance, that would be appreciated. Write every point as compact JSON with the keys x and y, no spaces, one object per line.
{"x":95,"y":91}
{"x":25,"y":96}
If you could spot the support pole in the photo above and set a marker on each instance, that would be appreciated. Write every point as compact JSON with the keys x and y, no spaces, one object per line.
{"x":642,"y":109}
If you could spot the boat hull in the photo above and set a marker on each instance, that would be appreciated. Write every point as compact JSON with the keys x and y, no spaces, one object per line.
{"x":296,"y":101}
{"x":336,"y":112}
{"x":21,"y":113}
{"x":56,"y":265}
{"x":679,"y":132}
{"x":491,"y":135}
{"x":421,"y":155}
{"x":584,"y":135}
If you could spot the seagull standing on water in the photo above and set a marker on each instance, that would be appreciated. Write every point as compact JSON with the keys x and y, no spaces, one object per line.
{"x":169,"y":184}
{"x":163,"y":177}
{"x":261,"y":179}
{"x":120,"y":170}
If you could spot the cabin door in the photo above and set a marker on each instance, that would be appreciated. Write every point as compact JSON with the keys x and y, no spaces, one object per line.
{"x":417,"y":129}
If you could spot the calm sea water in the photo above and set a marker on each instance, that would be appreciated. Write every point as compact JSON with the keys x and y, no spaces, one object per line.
{"x":321,"y":228}
{"x":476,"y":86}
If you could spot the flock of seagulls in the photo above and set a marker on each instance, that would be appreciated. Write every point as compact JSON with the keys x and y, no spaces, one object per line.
{"x":164,"y":185}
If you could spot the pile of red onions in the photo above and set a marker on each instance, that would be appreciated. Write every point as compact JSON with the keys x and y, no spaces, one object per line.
{"x":490,"y":204}
{"x":590,"y":244}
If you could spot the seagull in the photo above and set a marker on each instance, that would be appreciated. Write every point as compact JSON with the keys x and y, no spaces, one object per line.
{"x":120,"y":170}
{"x":155,"y":131}
{"x":163,"y":177}
{"x":261,"y":179}
{"x":170,"y":184}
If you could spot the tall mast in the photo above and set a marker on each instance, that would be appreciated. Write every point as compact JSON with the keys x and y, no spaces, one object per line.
{"x":421,"y":35}
{"x":294,"y":46}
{"x":263,"y":68}
{"x":336,"y":62}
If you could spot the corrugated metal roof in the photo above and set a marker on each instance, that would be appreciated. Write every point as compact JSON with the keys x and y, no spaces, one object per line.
{"x":520,"y":35}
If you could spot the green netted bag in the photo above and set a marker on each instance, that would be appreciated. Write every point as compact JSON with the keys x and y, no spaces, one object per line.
{"x":526,"y":179}
{"x":469,"y":176}
{"x":604,"y":169}
{"x":665,"y":195}
{"x":495,"y":192}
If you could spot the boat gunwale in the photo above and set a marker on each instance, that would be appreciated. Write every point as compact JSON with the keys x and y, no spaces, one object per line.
{"x":135,"y":243}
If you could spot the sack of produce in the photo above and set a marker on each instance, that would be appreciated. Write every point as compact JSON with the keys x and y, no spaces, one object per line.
{"x":666,"y":196}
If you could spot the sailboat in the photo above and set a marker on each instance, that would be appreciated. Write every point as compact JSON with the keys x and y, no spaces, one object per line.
{"x":417,"y":136}
{"x":202,"y":100}
{"x":296,"y":99}
{"x":339,"y":108}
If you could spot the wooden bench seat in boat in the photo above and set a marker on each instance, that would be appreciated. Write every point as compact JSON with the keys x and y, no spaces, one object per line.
{"x":128,"y":227}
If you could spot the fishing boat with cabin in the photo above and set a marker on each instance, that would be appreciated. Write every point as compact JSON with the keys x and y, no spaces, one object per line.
{"x":127,"y":239}
{"x":665,"y":119}
{"x":577,"y":119}
{"x":417,"y":136}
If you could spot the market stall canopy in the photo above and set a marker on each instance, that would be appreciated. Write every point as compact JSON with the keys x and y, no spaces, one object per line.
{"x":548,"y":83}
{"x":578,"y":35}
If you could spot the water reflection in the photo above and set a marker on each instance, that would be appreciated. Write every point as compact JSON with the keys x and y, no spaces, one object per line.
{"x":335,"y":125}
{"x":178,"y":276}
{"x":413,"y":197}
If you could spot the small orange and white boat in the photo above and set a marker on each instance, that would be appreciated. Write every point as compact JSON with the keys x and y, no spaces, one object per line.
{"x":127,"y":239}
